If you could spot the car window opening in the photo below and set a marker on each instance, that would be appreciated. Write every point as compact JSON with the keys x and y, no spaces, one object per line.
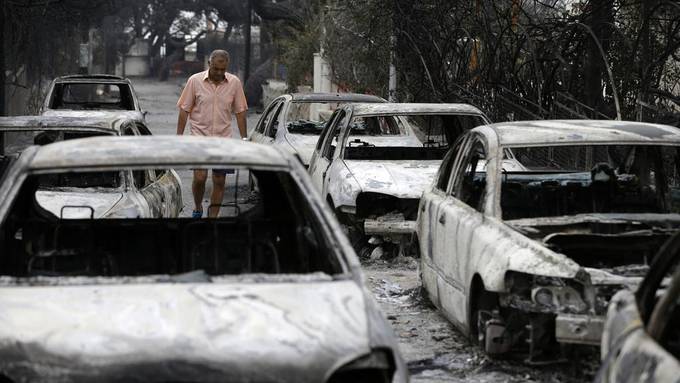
{"x":413,"y":137}
{"x":275,"y":233}
{"x":84,"y":96}
{"x":308,"y":118}
{"x":592,"y":179}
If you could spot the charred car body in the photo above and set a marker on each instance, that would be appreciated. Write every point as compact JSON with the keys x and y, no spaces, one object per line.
{"x":373,"y":161}
{"x":295,"y":121}
{"x":97,"y":195}
{"x":641,"y":341}
{"x":93,"y":95}
{"x":268,"y":293}
{"x":525,"y":253}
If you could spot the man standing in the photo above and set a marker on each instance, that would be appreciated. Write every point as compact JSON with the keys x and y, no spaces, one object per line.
{"x":208,"y":101}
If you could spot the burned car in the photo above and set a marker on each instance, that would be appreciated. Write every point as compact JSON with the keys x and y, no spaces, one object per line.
{"x":95,"y":95}
{"x":373,"y":161}
{"x":268,"y":292}
{"x":641,"y":339}
{"x":525,"y":253}
{"x":97,"y":195}
{"x":295,"y":121}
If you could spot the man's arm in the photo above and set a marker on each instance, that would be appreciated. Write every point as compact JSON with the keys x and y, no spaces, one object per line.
{"x":182,"y":121}
{"x":242,"y":123}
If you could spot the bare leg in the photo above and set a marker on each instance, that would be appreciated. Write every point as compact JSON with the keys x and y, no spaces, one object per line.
{"x":217,"y":194}
{"x":198,"y":188}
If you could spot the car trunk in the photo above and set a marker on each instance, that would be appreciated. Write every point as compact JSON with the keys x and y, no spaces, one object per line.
{"x":78,"y":202}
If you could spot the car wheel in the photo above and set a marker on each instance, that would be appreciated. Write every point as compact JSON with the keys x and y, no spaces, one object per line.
{"x":487,"y":328}
{"x":411,"y":248}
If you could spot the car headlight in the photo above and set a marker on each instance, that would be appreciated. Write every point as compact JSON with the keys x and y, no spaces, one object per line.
{"x":546,"y":292}
{"x":563,"y":297}
{"x":378,"y":366}
{"x":543,"y":296}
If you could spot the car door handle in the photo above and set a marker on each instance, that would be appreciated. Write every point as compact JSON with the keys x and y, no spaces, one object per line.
{"x":442,"y":219}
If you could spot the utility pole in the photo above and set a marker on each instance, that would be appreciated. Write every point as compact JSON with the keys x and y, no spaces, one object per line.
{"x":392,"y":84}
{"x":246,"y":69}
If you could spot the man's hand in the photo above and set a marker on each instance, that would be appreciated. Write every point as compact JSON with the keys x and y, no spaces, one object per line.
{"x":242,"y":123}
{"x":182,"y":121}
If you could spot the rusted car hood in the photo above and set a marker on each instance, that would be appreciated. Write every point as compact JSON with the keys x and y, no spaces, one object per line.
{"x":75,"y":202}
{"x":284,"y":332}
{"x":303,"y":145}
{"x":402,"y":179}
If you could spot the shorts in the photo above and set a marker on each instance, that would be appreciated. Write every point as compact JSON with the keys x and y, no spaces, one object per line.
{"x":223,"y":172}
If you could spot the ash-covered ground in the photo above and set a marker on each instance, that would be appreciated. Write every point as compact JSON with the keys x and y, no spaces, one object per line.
{"x":436,"y":352}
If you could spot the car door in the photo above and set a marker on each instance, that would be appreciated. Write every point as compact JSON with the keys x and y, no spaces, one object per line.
{"x":323,"y":155}
{"x":273,"y":127}
{"x":427,"y":221}
{"x":143,"y":188}
{"x":259,"y":134}
{"x":166,"y":181}
{"x":164,"y":184}
{"x":459,"y":216}
{"x":320,"y":141}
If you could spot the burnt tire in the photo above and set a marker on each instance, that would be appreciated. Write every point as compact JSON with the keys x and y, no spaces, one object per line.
{"x":483,"y":305}
{"x":412,"y":248}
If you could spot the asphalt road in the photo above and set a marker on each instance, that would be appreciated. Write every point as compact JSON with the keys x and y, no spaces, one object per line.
{"x":433,"y":349}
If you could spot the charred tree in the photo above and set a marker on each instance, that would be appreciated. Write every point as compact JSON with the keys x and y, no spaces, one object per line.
{"x":599,"y":19}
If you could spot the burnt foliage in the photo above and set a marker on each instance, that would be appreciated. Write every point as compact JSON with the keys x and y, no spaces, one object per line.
{"x":517,"y":59}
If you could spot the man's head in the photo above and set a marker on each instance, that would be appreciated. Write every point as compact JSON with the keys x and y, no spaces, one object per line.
{"x":217,"y":65}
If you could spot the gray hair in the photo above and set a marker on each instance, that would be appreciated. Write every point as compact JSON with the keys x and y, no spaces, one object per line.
{"x":219,"y":53}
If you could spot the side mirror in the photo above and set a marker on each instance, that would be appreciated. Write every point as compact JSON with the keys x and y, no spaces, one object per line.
{"x":144,"y":113}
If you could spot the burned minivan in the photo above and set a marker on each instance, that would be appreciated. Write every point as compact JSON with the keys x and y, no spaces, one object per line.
{"x":267,"y":292}
{"x":531,"y":227}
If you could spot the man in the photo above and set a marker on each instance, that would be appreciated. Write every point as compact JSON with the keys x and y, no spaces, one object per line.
{"x":208,"y":101}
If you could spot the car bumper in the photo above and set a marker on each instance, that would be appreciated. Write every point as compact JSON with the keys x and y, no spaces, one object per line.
{"x":579,"y":329}
{"x":376,"y":227}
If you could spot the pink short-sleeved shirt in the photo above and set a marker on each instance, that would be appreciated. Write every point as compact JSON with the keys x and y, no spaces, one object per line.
{"x":210,"y":106}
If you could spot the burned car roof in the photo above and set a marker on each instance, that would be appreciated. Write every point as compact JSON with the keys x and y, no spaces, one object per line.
{"x":90,"y":77}
{"x":567,"y":132}
{"x":335,"y":97}
{"x":105,"y":121}
{"x":412,"y":108}
{"x":169,"y":151}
